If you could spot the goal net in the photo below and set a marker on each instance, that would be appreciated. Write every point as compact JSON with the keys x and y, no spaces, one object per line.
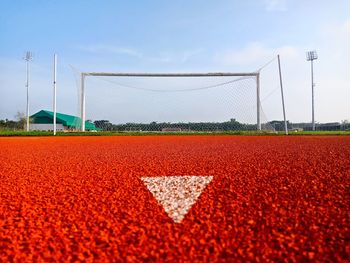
{"x":178,"y":102}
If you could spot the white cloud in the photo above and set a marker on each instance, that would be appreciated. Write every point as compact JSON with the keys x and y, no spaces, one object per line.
{"x":112,"y":49}
{"x":191,"y":53}
{"x":248,"y":55}
{"x":164,"y":57}
{"x":275,"y":5}
{"x":254,"y":54}
{"x":182,"y":57}
{"x":345,"y":28}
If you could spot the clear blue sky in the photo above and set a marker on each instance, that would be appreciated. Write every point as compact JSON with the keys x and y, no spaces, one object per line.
{"x":180,"y":35}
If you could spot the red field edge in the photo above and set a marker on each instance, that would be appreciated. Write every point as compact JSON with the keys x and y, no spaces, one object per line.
{"x":81,"y":198}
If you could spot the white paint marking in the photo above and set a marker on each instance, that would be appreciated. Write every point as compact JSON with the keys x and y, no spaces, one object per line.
{"x":177,"y":194}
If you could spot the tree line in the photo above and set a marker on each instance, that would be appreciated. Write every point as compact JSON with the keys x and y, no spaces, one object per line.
{"x":17,"y":124}
{"x":230,"y":125}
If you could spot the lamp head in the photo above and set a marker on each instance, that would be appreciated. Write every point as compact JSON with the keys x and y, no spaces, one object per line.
{"x":28,"y":56}
{"x":311,"y":55}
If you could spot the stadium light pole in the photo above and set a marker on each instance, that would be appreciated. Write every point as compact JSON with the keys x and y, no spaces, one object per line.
{"x":28,"y":57}
{"x":311,"y":56}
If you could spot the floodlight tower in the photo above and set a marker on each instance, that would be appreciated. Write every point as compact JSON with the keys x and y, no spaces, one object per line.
{"x":28,"y":57}
{"x":311,"y":56}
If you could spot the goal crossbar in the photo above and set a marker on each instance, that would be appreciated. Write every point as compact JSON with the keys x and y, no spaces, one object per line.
{"x":210,"y":74}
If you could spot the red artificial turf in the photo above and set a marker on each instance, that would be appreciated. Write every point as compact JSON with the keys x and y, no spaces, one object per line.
{"x":81,"y":198}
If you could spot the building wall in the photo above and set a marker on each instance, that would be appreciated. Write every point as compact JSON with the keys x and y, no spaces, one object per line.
{"x":45,"y":127}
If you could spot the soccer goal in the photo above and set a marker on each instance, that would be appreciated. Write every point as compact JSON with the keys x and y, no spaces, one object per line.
{"x":191,"y":102}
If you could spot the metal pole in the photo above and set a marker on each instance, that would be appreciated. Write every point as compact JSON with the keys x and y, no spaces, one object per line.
{"x":311,"y":56}
{"x":82,"y":102}
{"x":54,"y":92}
{"x":283,"y":106}
{"x":258,"y":101}
{"x":28,"y":57}
{"x":27,"y":85}
{"x":212,"y":74}
{"x":313,"y":99}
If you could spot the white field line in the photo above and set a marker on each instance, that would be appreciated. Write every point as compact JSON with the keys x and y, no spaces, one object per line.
{"x":176,"y":194}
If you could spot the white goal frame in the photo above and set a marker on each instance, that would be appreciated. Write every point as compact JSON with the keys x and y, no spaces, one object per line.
{"x":216,"y":74}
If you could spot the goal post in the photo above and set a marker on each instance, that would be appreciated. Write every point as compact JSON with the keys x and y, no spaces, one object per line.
{"x":258,"y":102}
{"x":84,"y":75}
{"x":256,"y":75}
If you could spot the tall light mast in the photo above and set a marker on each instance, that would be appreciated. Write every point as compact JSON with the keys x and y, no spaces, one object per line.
{"x":28,"y":57}
{"x":311,"y":56}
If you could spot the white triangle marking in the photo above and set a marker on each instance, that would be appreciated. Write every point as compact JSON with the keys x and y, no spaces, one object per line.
{"x":177,"y":194}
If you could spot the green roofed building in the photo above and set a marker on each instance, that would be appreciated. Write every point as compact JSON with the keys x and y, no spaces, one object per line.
{"x":43,"y":120}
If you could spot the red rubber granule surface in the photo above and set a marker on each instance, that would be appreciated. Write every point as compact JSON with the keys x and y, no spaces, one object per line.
{"x":82,"y":199}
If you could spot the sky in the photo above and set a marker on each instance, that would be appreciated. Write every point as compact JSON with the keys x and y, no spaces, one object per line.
{"x":176,"y":36}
